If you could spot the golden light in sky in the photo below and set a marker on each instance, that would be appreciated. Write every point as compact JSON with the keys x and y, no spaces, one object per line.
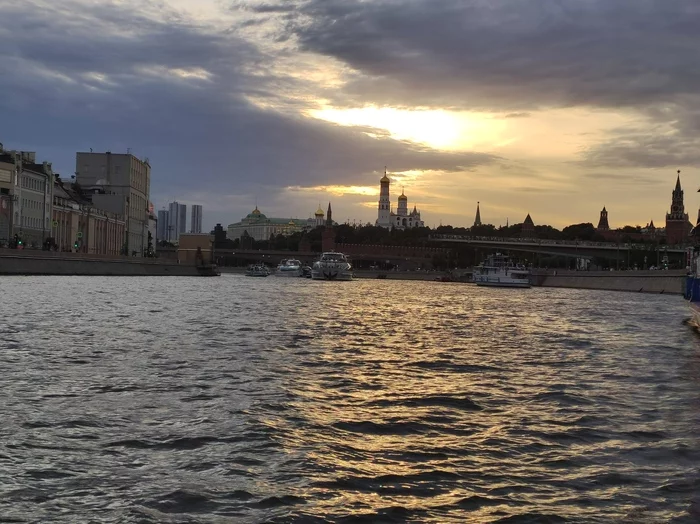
{"x":437,"y":128}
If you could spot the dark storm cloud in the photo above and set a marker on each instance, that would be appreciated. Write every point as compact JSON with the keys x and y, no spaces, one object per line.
{"x":509,"y":54}
{"x":78,"y":76}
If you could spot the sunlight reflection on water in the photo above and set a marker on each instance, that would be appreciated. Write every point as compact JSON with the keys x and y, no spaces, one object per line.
{"x":153,"y":399}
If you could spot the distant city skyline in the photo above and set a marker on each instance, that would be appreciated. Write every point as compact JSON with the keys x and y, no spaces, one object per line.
{"x":528,"y":107}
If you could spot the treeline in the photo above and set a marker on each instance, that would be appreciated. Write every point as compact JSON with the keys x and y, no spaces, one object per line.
{"x":375,"y":235}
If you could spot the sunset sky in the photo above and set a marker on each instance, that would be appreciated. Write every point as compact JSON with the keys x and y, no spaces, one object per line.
{"x":549,"y":107}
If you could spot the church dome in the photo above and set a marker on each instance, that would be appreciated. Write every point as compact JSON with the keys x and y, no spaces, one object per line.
{"x":319,"y":211}
{"x":403,"y":197}
{"x":255,"y":214}
{"x":385,"y":179}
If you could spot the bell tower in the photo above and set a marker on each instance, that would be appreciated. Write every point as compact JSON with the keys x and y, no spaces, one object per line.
{"x":384,"y":208}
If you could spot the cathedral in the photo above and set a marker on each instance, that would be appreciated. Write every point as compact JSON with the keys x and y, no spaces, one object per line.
{"x":386,"y":217}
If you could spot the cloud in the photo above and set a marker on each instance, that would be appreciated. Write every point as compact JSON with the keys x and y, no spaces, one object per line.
{"x":510,"y":54}
{"x":76,"y":75}
{"x":670,"y":139}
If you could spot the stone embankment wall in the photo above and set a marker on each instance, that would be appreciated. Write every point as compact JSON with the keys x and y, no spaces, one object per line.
{"x":670,"y":282}
{"x":26,"y":262}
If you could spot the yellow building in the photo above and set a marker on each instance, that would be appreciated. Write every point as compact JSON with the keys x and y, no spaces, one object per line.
{"x":80,"y":227}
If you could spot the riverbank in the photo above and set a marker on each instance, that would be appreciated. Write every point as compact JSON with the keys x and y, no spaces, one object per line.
{"x":370,"y":274}
{"x":26,"y":262}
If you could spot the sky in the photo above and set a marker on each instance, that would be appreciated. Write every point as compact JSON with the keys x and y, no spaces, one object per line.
{"x":550,"y":107}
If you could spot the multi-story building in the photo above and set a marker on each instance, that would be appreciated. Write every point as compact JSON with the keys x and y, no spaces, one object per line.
{"x":123,"y":184}
{"x":177,"y":220}
{"x":163,"y":219}
{"x":9,"y":167}
{"x":26,"y":193}
{"x":260,"y":227}
{"x":152,"y":231}
{"x":196,"y":221}
{"x":78,"y":226}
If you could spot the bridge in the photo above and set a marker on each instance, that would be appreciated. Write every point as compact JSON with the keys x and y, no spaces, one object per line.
{"x":578,"y":249}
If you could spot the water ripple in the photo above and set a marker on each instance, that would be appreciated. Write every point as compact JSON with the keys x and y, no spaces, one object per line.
{"x":160,"y":400}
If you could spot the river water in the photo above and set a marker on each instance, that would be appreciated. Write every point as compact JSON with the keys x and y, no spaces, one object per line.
{"x":237,"y":399}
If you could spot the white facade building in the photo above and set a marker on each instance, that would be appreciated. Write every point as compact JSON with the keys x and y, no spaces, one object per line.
{"x":402,"y":219}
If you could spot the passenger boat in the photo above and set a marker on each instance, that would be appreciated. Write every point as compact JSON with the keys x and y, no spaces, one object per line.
{"x":332,"y":266}
{"x":289,"y":268}
{"x":257,"y":270}
{"x":499,"y":271}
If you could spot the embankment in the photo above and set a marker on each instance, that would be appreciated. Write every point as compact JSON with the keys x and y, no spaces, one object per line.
{"x":670,"y":282}
{"x":26,"y":262}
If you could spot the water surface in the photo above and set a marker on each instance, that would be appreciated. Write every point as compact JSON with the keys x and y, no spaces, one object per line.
{"x":237,"y":399}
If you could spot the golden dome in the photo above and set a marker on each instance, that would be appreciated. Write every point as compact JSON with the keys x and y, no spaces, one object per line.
{"x":319,"y":211}
{"x":385,"y":179}
{"x":403,"y":197}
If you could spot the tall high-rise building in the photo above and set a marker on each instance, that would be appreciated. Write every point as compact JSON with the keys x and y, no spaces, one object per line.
{"x":182,"y":219}
{"x":196,"y":221}
{"x":163,"y":219}
{"x":121,"y":184}
{"x":177,"y":220}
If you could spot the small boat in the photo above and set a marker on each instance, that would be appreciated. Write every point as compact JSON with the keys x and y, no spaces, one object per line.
{"x":332,"y":266}
{"x":289,"y":268}
{"x":499,"y":271}
{"x":257,"y":270}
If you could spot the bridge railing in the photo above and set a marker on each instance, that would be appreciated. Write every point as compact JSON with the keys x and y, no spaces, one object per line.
{"x":550,"y":242}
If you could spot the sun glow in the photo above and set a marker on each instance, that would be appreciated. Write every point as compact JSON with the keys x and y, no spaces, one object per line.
{"x":339,"y":190}
{"x":438,"y":128}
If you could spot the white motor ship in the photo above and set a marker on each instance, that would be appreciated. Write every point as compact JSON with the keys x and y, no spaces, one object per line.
{"x":498,"y":271}
{"x":332,"y":266}
{"x":290,"y":268}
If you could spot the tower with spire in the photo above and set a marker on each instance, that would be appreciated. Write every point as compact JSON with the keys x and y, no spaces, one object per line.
{"x":402,"y":219}
{"x":678,"y":225}
{"x":603,"y":221}
{"x":477,"y":218}
{"x":328,"y":234}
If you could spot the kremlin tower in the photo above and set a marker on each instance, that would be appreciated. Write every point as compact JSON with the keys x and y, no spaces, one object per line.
{"x":528,"y":229}
{"x":477,"y":218}
{"x":603,"y":222}
{"x":328,"y":235}
{"x":677,"y":224}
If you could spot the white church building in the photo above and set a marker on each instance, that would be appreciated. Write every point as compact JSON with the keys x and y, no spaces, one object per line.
{"x":402,"y":219}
